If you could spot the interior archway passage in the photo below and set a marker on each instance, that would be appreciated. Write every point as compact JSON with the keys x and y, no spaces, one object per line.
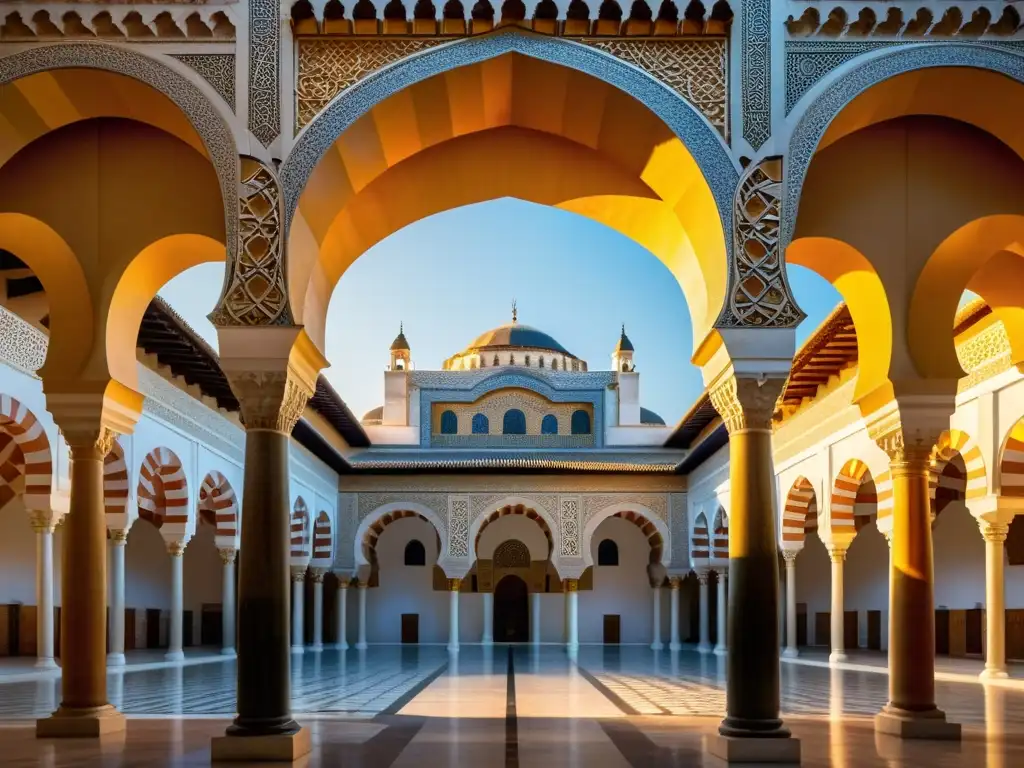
{"x":510,"y":126}
{"x":516,"y":509}
{"x":369,"y":543}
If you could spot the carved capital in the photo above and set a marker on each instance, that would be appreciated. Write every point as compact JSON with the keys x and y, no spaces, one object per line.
{"x":675,"y":582}
{"x":703,"y":576}
{"x":90,"y":415}
{"x":316,"y":575}
{"x":118,"y":537}
{"x":344,"y":582}
{"x":90,"y":445}
{"x":298,"y":573}
{"x":908,"y":428}
{"x":572,"y":585}
{"x":995,"y":532}
{"x":271,"y":400}
{"x":837,"y":554}
{"x":746,"y":403}
{"x":176,"y":548}
{"x":454,"y":585}
{"x":789,"y":555}
{"x":42,"y":520}
{"x":227,"y":555}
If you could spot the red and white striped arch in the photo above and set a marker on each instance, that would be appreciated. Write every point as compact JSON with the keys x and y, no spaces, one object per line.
{"x":12,"y":470}
{"x":323,"y":548}
{"x":300,"y":538}
{"x":35,"y":464}
{"x":163,"y":495}
{"x":959,"y":472}
{"x":853,"y":485}
{"x":116,"y":490}
{"x":700,"y":540}
{"x":794,"y":514}
{"x":720,"y":536}
{"x":218,"y":506}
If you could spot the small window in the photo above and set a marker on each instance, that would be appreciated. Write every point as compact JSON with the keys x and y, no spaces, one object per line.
{"x":483,"y":362}
{"x":540,"y":363}
{"x":549,"y":425}
{"x":399,"y":365}
{"x":496,"y":363}
{"x":607,"y":553}
{"x":511,"y":359}
{"x":416,"y":553}
{"x":481,"y":426}
{"x":580,"y":423}
{"x":514,"y":422}
{"x":449,"y":423}
{"x":554,"y":363}
{"x":527,"y":363}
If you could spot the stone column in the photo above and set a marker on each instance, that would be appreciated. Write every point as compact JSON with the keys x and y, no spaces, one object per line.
{"x":175,"y":649}
{"x":995,"y":599}
{"x":341,"y":612}
{"x":723,"y":601}
{"x":704,"y":646}
{"x":361,"y":643}
{"x":752,"y":729}
{"x":43,"y":525}
{"x":674,"y":644}
{"x":298,"y":607}
{"x":317,"y":575}
{"x":227,"y":602}
{"x":656,"y":644}
{"x":273,"y":376}
{"x":118,"y":541}
{"x":535,"y":618}
{"x":789,"y":556}
{"x":911,"y":711}
{"x":838,"y":556}
{"x":488,"y":637}
{"x":454,"y":585}
{"x":572,"y":636}
{"x":84,"y":710}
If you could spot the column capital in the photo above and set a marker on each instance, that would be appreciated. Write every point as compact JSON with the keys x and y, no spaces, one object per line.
{"x":908,"y":427}
{"x":344,"y":582}
{"x":298,"y":573}
{"x":746,"y":402}
{"x":572,"y":585}
{"x":316,"y":575}
{"x":996,"y":532}
{"x":90,"y":415}
{"x":454,"y":585}
{"x":227,"y":555}
{"x":703,"y":575}
{"x":42,"y":520}
{"x":176,"y":548}
{"x":789,"y":555}
{"x":118,"y":537}
{"x":675,"y":582}
{"x":837,"y":554}
{"x":721,"y":570}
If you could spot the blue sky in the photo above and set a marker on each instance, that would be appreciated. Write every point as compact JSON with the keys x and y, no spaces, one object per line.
{"x":453,"y":276}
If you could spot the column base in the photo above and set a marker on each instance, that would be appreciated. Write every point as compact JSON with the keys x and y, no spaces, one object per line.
{"x":675,"y":647}
{"x":87,"y":723}
{"x":657,"y":646}
{"x":704,"y":648}
{"x":361,"y":646}
{"x":837,"y":657}
{"x":487,"y":641}
{"x":230,"y":652}
{"x":298,"y":649}
{"x":720,"y":650}
{"x":115,"y":660}
{"x":317,"y":648}
{"x":790,"y":653}
{"x":453,"y":649}
{"x":174,"y":656}
{"x":276,"y":748}
{"x":736,"y":749}
{"x":916,"y":725}
{"x":343,"y":647}
{"x":993,"y":674}
{"x":50,"y":663}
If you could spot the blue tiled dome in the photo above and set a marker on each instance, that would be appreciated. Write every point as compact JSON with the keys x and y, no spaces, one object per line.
{"x":648,"y":416}
{"x":517,"y":335}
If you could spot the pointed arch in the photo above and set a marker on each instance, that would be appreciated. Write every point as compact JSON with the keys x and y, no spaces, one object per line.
{"x":323,"y":538}
{"x":794,"y":514}
{"x":218,"y":506}
{"x":163,"y":494}
{"x":36,"y":456}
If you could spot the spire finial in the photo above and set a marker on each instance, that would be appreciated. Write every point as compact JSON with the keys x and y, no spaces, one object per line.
{"x":514,"y":313}
{"x":623,"y":329}
{"x":401,"y":327}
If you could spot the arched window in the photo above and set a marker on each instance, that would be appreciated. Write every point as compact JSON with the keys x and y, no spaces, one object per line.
{"x":540,"y":363}
{"x":554,"y":363}
{"x":511,"y":359}
{"x":481,"y":426}
{"x":514,"y":422}
{"x":527,"y":363}
{"x":450,"y":423}
{"x":495,"y":361}
{"x":416,"y":553}
{"x":607,"y":553}
{"x":549,"y":425}
{"x":580,"y":423}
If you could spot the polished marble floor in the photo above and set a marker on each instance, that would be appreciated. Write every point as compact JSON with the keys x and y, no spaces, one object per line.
{"x":618,"y":707}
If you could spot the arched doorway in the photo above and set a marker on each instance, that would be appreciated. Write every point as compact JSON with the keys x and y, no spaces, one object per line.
{"x":511,"y":611}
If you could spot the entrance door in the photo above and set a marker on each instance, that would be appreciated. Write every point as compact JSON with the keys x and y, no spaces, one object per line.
{"x":874,"y":630}
{"x":511,"y":611}
{"x":410,"y":628}
{"x":611,"y":629}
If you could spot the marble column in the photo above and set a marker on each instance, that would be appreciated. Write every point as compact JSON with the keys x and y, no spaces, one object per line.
{"x":704,"y":646}
{"x":43,"y":525}
{"x":317,"y":576}
{"x":227,"y":602}
{"x":454,"y":585}
{"x":118,"y":541}
{"x":361,"y":643}
{"x":674,"y":644}
{"x":995,"y":599}
{"x":656,"y":644}
{"x":84,"y":710}
{"x":535,"y":618}
{"x":837,"y":555}
{"x":752,"y":729}
{"x":341,"y":612}
{"x":789,"y":556}
{"x":572,"y":636}
{"x":488,"y":636}
{"x":175,"y":633}
{"x":298,"y":607}
{"x":911,"y":711}
{"x":723,"y":601}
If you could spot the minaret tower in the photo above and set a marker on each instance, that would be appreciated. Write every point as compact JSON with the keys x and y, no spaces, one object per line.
{"x":400,"y":352}
{"x":622,"y":357}
{"x":629,"y":381}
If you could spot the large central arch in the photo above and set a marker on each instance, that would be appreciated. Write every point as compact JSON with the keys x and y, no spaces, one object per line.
{"x":638,"y":152}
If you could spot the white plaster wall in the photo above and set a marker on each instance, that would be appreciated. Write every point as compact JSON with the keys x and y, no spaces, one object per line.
{"x":624,"y":589}
{"x":203,"y":573}
{"x":866,"y":581}
{"x":513,"y":527}
{"x":405,"y":589}
{"x":814,"y":581}
{"x":147,"y":570}
{"x":18,"y":557}
{"x":959,"y":558}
